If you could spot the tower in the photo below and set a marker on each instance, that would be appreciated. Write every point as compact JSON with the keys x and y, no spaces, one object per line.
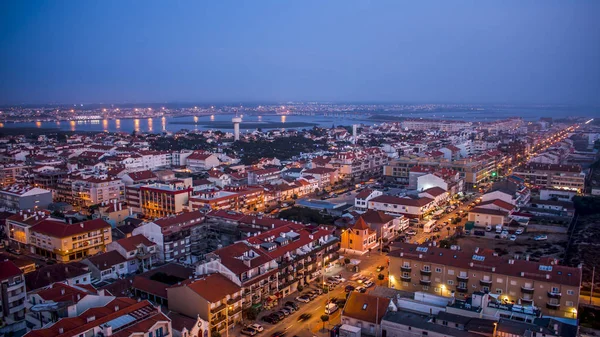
{"x":236,"y":127}
{"x":354,"y":132}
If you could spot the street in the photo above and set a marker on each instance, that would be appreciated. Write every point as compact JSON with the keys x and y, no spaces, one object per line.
{"x":316,"y":308}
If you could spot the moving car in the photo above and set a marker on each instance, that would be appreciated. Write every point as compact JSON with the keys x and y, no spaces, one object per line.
{"x":304,"y":317}
{"x":349,"y":288}
{"x":540,"y":237}
{"x":513,"y":237}
{"x":271,"y":319}
{"x":380,"y":268}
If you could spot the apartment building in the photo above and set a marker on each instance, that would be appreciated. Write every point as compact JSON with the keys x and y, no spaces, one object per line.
{"x":173,"y":235}
{"x":411,"y":208}
{"x":65,"y":242}
{"x":274,"y":262}
{"x":360,"y":163}
{"x":557,"y":176}
{"x":324,"y":176}
{"x":120,"y":317}
{"x":365,"y":311}
{"x":9,"y":173}
{"x":552,"y":288}
{"x":139,"y":252}
{"x":201,"y":161}
{"x":238,"y":198}
{"x":12,"y":296}
{"x":18,"y":225}
{"x":24,"y":197}
{"x":87,"y":191}
{"x":160,"y":200}
{"x":263,"y":176}
{"x":362,"y":197}
{"x":441,"y":125}
{"x":213,"y":298}
{"x":399,"y":169}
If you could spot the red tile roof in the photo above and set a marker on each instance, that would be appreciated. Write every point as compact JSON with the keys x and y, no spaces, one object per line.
{"x":434,"y":191}
{"x":364,"y":193}
{"x":402,"y":201}
{"x":132,"y":242}
{"x":214,"y":287}
{"x":462,"y":259}
{"x":60,"y":292}
{"x":8,"y":270}
{"x":488,"y":211}
{"x":230,"y":257}
{"x":360,"y":224}
{"x":365,"y":307}
{"x":63,"y":230}
{"x":106,"y":260}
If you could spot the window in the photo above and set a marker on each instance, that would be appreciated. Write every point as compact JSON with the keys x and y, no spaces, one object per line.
{"x":425,"y":333}
{"x":570,"y":292}
{"x":450,"y":282}
{"x":499,"y":280}
{"x":555,"y":290}
{"x":498,"y":291}
{"x":438,"y":270}
{"x":450,"y":272}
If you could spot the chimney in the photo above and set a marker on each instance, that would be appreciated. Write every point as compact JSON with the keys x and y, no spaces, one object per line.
{"x":91,"y":319}
{"x":61,"y":330}
{"x":81,"y":224}
{"x":62,"y":291}
{"x":116,"y":308}
{"x":48,"y":274}
{"x":547,"y":276}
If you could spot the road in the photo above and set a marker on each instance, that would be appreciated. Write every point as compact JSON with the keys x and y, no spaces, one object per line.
{"x":316,"y":307}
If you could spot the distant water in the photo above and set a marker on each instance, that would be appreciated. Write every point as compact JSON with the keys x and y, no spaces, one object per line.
{"x":223,"y":121}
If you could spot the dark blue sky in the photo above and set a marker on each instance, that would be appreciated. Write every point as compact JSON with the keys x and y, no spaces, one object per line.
{"x":216,"y":51}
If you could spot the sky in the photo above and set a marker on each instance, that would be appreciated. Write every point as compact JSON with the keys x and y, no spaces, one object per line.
{"x":516,"y":52}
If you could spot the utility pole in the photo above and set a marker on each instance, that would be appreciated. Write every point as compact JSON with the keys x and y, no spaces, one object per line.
{"x":592,"y":288}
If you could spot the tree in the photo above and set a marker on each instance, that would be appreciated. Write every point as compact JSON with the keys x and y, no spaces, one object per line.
{"x":347,"y":261}
{"x":324,"y":318}
{"x":381,"y":277}
{"x":448,"y":229}
{"x":295,"y":196}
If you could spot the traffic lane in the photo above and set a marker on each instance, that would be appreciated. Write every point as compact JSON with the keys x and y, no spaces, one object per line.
{"x":316,"y":308}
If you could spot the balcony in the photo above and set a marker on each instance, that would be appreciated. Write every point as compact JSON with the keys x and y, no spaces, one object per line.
{"x":526,"y":301}
{"x":426,"y":272}
{"x":527,"y":290}
{"x":217,"y":319}
{"x":234,"y":300}
{"x":552,"y":306}
{"x":425,"y":282}
{"x":462,"y":278}
{"x":554,"y":295}
{"x":405,"y":278}
{"x":16,"y":308}
{"x":485,"y":283}
{"x":405,"y":269}
{"x":462,"y":289}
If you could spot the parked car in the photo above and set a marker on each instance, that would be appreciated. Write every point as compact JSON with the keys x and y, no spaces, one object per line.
{"x":272,"y":319}
{"x":540,"y":237}
{"x":519,"y":230}
{"x":513,"y":238}
{"x":303,"y":298}
{"x":411,"y":232}
{"x":380,"y":268}
{"x":386,"y":249}
{"x":248,"y":331}
{"x":319,"y":291}
{"x":349,"y":288}
{"x":278,"y":334}
{"x":292,"y":304}
{"x":278,"y":314}
{"x":339,"y":278}
{"x":285,"y":311}
{"x":369,"y":283}
{"x":360,"y":289}
{"x":256,"y":327}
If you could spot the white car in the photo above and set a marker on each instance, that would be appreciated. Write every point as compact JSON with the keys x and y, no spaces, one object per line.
{"x":339,"y":278}
{"x":513,"y":238}
{"x":369,"y":283}
{"x":540,"y":237}
{"x":519,"y":231}
{"x":303,"y":299}
{"x":257,"y":327}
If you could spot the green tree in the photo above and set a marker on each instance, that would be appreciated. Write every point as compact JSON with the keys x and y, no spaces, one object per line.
{"x":448,"y":229}
{"x":324,"y":318}
{"x":381,"y":277}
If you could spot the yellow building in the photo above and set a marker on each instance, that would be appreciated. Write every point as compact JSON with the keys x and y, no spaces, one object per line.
{"x":360,"y":238}
{"x":65,"y":242}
